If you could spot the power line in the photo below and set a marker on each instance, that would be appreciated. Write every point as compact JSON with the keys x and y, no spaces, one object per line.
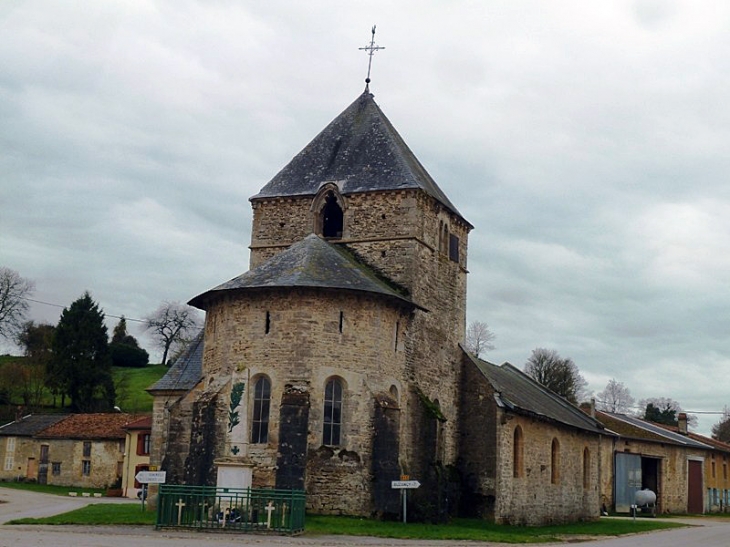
{"x":640,"y":409}
{"x":64,"y":307}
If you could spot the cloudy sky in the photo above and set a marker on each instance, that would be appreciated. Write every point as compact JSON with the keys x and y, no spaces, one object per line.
{"x":587,"y":142}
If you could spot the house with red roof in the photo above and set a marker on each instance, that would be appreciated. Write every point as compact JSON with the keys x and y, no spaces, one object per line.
{"x":75,"y":450}
{"x":136,"y":454}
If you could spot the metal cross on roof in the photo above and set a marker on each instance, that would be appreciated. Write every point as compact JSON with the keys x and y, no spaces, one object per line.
{"x":371,"y":49}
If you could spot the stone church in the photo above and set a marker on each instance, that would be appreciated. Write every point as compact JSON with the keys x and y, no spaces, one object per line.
{"x":334,"y":364}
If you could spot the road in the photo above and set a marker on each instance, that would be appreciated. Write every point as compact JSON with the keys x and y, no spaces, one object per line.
{"x":17,"y":503}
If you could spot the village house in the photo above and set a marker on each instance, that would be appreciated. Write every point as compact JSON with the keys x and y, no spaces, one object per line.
{"x":334,"y":365}
{"x":646,"y":455}
{"x":716,"y":482}
{"x":22,"y":455}
{"x":74,"y":450}
{"x":137,"y":446}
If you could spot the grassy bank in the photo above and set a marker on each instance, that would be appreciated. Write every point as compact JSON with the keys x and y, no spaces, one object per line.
{"x":459,"y":529}
{"x":479,"y":530}
{"x":132,"y":397}
{"x":49,"y":488}
{"x":99,"y":514}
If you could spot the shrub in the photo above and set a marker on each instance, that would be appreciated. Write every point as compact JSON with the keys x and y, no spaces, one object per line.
{"x":124,"y":355}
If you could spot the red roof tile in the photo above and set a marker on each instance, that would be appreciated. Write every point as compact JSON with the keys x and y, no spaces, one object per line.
{"x":142,"y":423}
{"x":90,"y":426}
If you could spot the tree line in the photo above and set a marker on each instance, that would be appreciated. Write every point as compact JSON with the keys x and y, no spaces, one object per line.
{"x":73,"y":360}
{"x":563,"y":377}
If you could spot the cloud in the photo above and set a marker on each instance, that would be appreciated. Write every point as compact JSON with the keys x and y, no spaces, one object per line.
{"x":586,"y":143}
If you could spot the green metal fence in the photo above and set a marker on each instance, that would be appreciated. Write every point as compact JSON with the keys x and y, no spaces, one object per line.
{"x":245,"y":509}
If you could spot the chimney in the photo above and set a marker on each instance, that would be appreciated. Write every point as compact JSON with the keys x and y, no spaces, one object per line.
{"x":593,"y":408}
{"x":682,"y":422}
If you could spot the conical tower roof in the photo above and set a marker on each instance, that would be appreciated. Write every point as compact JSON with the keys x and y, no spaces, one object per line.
{"x":309,"y":263}
{"x":361,"y":151}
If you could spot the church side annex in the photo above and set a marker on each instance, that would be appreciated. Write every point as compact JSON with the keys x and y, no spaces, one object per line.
{"x":334,"y":365}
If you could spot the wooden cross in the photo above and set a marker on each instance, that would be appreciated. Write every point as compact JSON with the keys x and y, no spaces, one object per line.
{"x":269,"y":509}
{"x":371,"y":49}
{"x":283,"y":515}
{"x":180,"y":504}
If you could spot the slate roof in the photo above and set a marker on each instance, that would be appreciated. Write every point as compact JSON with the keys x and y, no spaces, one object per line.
{"x":362,"y":152}
{"x":714,"y":443}
{"x":631,"y":427}
{"x":519,"y":393}
{"x":186,"y":371}
{"x":29,"y":425}
{"x":90,"y":426}
{"x":309,"y":263}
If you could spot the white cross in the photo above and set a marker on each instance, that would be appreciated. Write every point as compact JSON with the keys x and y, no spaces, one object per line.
{"x":269,"y":509}
{"x":180,"y":504}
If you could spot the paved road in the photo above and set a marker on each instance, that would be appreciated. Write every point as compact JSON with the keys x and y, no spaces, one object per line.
{"x":16,"y":504}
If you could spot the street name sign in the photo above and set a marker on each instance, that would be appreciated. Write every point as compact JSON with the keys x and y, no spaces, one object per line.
{"x":405,"y":484}
{"x":151,"y":477}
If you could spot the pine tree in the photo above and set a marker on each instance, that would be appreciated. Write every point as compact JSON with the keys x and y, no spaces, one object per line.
{"x":81,"y":357}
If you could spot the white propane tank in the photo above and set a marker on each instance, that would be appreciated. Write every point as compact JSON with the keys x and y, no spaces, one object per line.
{"x":645,"y":498}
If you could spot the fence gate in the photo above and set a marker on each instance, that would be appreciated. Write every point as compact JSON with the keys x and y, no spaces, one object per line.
{"x":244,"y":510}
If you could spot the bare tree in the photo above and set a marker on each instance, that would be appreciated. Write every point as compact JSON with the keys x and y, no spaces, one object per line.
{"x":615,"y":398}
{"x":171,"y":324}
{"x":14,"y":291}
{"x":557,"y":374}
{"x":479,"y":338}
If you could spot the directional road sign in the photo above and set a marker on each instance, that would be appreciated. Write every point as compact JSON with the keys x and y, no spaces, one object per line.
{"x":151,"y":477}
{"x":404,"y":484}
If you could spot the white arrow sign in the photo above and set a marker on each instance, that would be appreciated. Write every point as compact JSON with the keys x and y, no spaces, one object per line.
{"x":405,"y":484}
{"x":154,"y":477}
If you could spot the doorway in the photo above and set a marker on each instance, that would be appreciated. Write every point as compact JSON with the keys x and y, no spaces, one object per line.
{"x":694,"y":487}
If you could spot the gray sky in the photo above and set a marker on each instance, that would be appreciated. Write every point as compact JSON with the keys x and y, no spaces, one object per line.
{"x":586,"y":141}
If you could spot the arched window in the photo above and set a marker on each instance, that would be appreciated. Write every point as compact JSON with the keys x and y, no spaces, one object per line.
{"x":332,"y":217}
{"x":328,"y":211}
{"x":518,"y":451}
{"x":555,"y":462}
{"x":586,"y":467}
{"x":332,"y":430}
{"x":261,"y":405}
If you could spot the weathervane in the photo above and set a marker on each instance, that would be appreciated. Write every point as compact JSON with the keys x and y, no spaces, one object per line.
{"x":371,"y":49}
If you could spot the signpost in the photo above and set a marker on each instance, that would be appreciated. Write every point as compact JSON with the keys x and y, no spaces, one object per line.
{"x":149,"y":477}
{"x":404,"y":485}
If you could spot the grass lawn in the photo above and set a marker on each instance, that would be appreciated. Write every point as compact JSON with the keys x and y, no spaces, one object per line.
{"x":99,"y":513}
{"x":478,"y":530}
{"x":49,"y":488}
{"x":458,"y":529}
{"x":133,"y":398}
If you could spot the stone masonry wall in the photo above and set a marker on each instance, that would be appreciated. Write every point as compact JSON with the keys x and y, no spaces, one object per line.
{"x":533,"y":499}
{"x":402,"y":235}
{"x":105,"y":460}
{"x":478,"y":446}
{"x":673,"y":470}
{"x":302,"y":350}
{"x":14,"y":454}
